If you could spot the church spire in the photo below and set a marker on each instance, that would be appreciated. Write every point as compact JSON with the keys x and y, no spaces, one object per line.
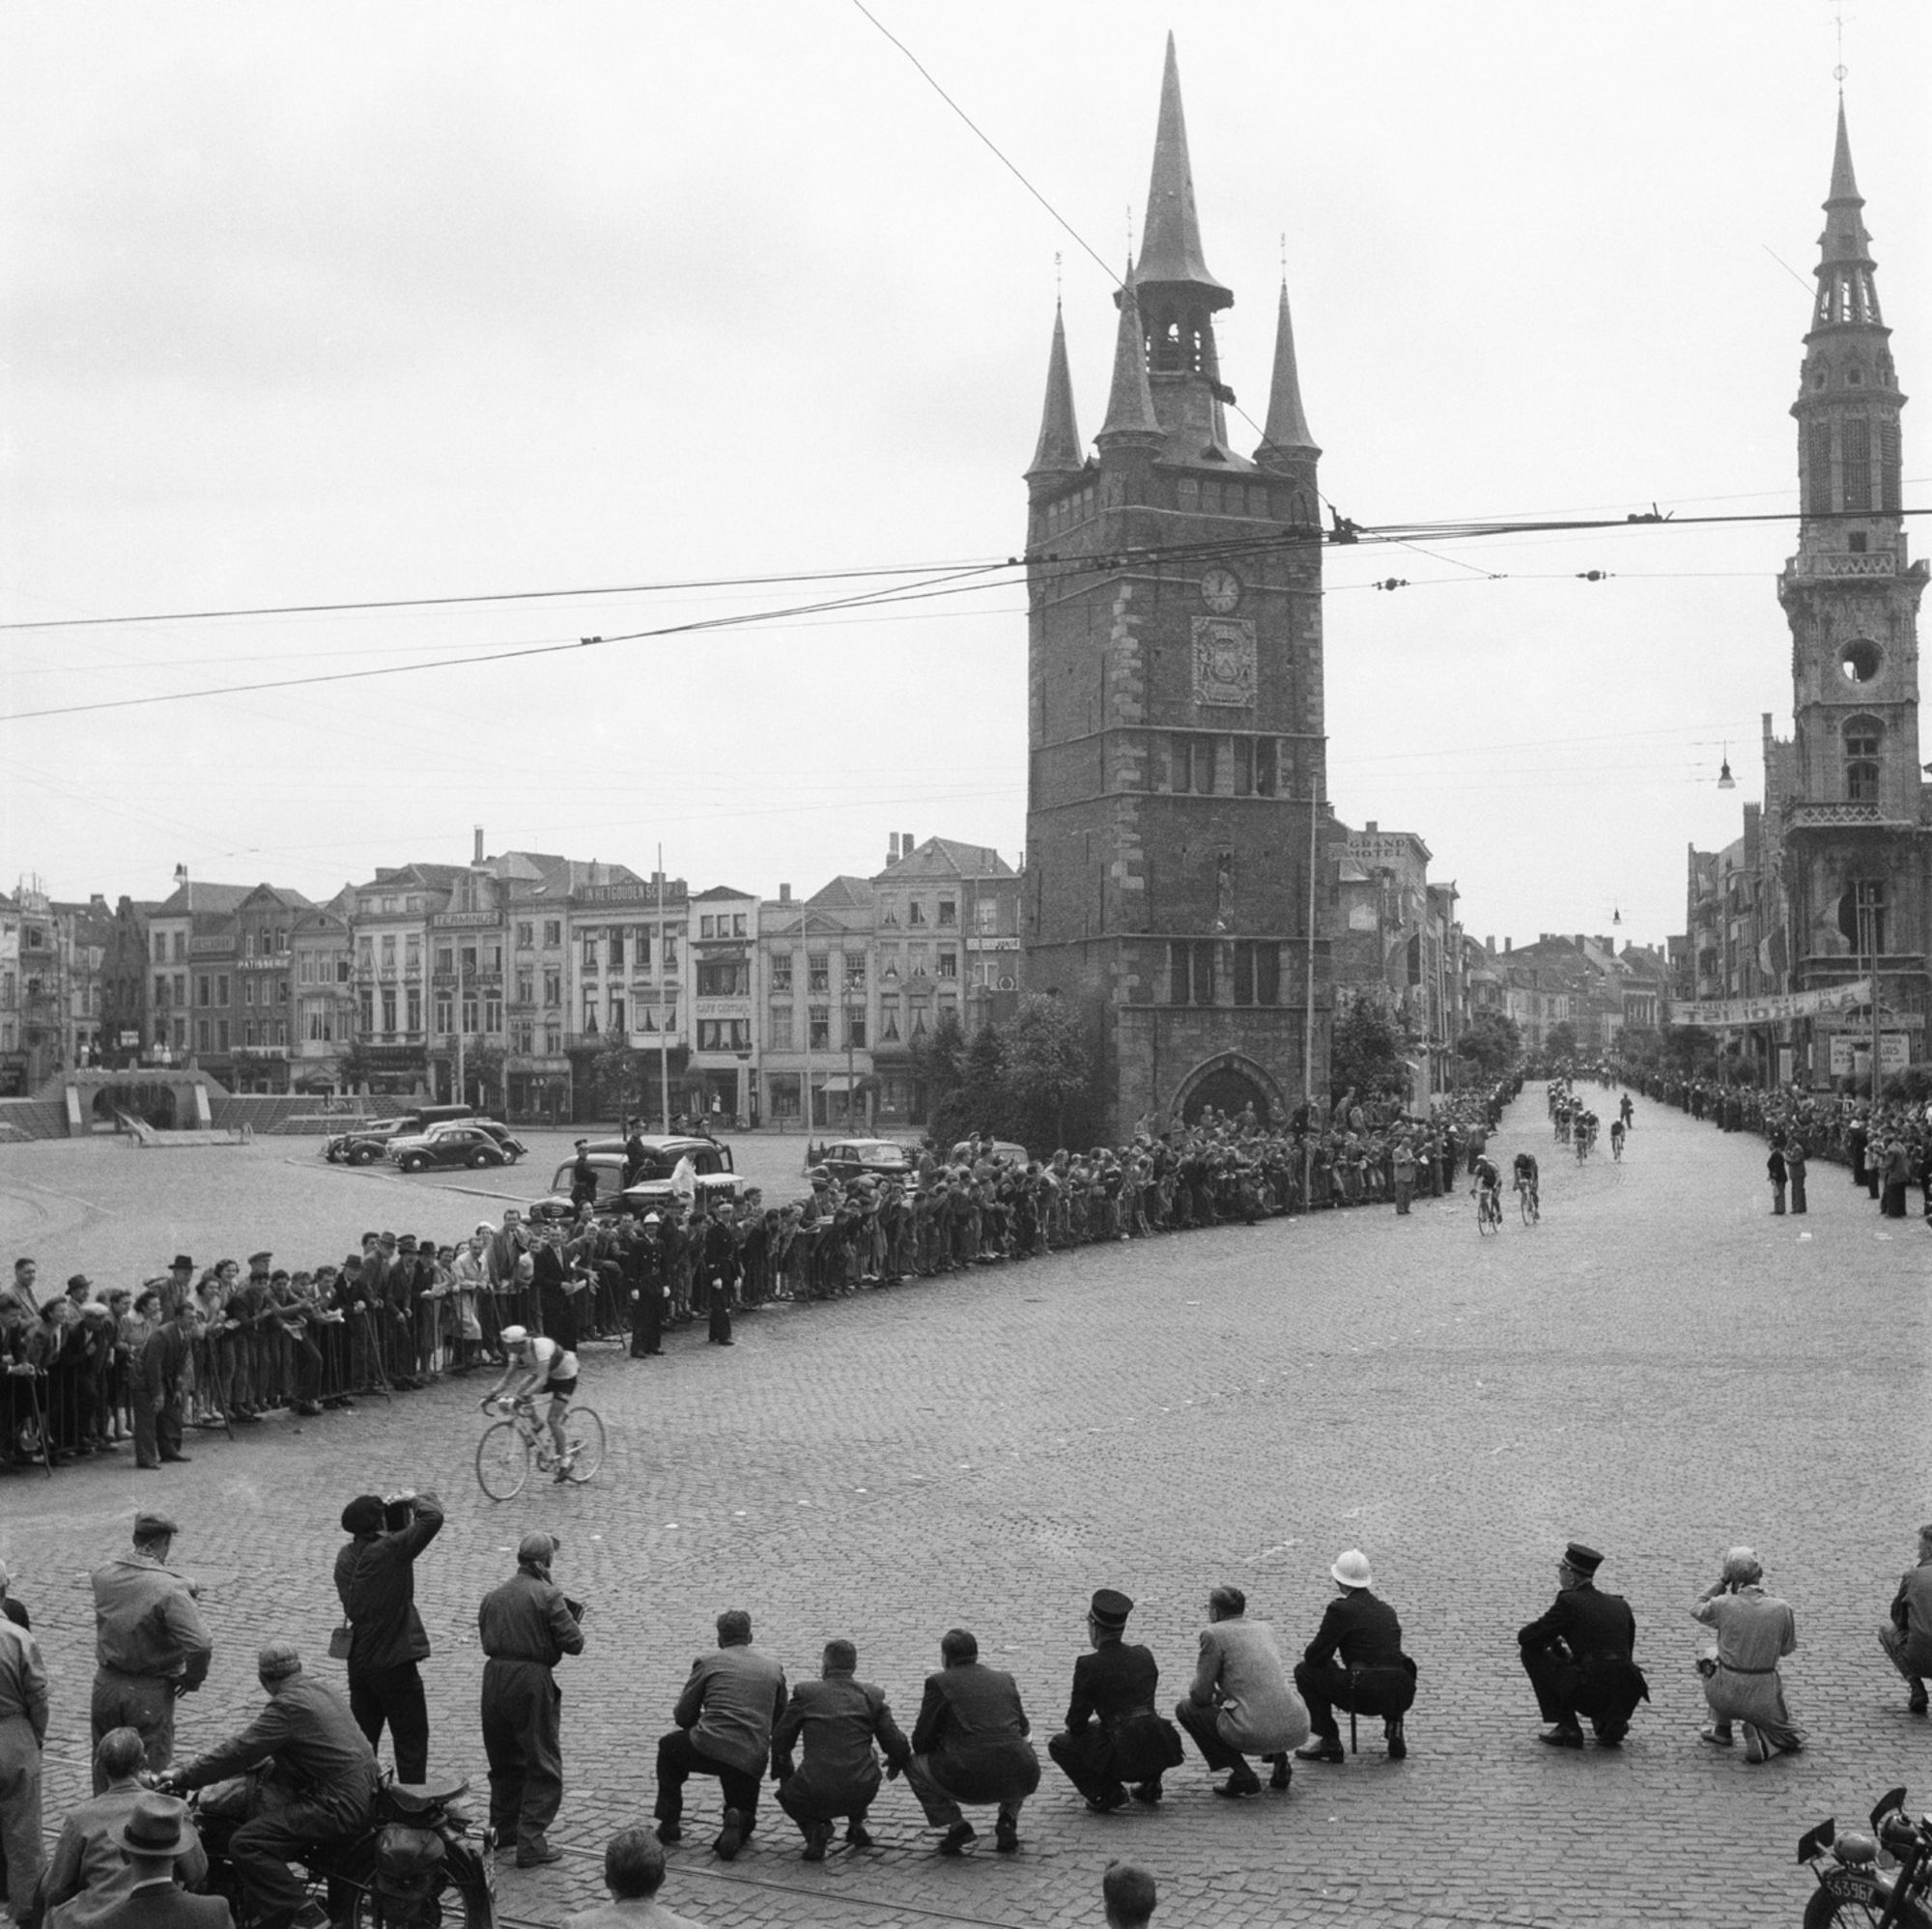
{"x":1287,"y":432}
{"x":1058,"y":451}
{"x":1171,"y":254}
{"x":1847,"y":294}
{"x":1130,"y":399}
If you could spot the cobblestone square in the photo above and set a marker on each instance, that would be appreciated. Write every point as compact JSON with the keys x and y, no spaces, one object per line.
{"x":1660,"y":1369}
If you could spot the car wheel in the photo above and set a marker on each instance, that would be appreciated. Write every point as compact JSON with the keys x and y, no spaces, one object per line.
{"x":362,"y":1155}
{"x":414,"y":1162}
{"x":478,"y":1160}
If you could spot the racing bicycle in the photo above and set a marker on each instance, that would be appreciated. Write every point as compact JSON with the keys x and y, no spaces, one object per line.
{"x":511,"y":1448}
{"x":1527,"y":1201}
{"x":1489,"y":1210}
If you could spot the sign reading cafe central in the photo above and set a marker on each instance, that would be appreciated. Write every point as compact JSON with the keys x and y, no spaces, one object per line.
{"x":1715,"y":1013}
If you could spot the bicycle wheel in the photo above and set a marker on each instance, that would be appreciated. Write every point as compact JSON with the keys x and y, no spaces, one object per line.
{"x":502,"y":1461}
{"x":1483,"y":1222}
{"x":583,"y":1443}
{"x":1525,"y":1206}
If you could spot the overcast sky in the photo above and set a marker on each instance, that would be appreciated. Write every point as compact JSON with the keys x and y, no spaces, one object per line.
{"x":312,"y":304}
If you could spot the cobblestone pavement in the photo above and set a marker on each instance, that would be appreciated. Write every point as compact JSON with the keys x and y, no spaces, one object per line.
{"x":1659,"y":1367}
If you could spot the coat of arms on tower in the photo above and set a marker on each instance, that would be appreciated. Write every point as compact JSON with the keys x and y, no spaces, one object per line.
{"x":1224,"y":661}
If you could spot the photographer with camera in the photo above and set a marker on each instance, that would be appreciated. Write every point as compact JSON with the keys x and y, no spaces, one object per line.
{"x":375,"y":1574}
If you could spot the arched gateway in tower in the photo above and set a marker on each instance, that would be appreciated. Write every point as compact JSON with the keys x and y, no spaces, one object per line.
{"x":1176,"y":738}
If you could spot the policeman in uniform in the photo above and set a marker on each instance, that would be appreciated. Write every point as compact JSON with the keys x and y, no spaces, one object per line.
{"x":1577,"y":1657}
{"x":528,"y":1626}
{"x":151,"y":1643}
{"x":1113,"y":1735}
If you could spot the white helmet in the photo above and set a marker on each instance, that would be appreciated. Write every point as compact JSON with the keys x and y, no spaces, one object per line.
{"x":514,"y":1336}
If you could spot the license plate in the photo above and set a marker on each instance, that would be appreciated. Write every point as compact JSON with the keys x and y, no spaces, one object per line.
{"x":1850,"y":1885}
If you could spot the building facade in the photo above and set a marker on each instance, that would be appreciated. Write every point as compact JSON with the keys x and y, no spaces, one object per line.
{"x":1177,"y":875}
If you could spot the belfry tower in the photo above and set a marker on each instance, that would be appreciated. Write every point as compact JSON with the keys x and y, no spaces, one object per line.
{"x":1857,"y":849}
{"x":1176,"y":781}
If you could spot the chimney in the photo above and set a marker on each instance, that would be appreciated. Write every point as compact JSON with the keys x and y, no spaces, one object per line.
{"x":1509,"y":943}
{"x":784,"y":894}
{"x":478,"y":856}
{"x":893,"y":847}
{"x":905,"y":843}
{"x":1488,"y":943}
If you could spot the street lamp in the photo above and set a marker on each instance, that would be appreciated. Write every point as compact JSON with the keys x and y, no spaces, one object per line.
{"x":1725,"y":781}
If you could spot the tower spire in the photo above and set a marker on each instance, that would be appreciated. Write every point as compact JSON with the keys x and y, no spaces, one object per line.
{"x":1847,"y":294}
{"x":1287,"y":431}
{"x":1059,"y":450}
{"x":1131,"y":399}
{"x":1171,"y":253}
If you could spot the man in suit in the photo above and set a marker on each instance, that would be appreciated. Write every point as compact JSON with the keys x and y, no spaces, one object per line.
{"x":1113,"y":1735}
{"x":1241,"y":1701}
{"x":89,"y":1873}
{"x":1577,"y":1657}
{"x":156,"y":1832}
{"x":969,"y":1744}
{"x":1356,"y":1659}
{"x":836,"y":1721}
{"x":724,"y":1718}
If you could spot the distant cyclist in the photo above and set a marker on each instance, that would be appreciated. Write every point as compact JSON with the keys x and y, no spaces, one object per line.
{"x":1488,"y":1185}
{"x":1526,"y":1177}
{"x":1616,"y":1139}
{"x":537,"y":1366}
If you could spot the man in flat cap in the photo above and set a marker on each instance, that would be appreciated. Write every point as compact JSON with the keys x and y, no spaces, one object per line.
{"x":1113,"y":1735}
{"x":836,"y":1721}
{"x":1577,"y":1657}
{"x":151,"y":1644}
{"x":375,"y":1578}
{"x":528,"y":1626}
{"x":323,"y":1763}
{"x":1355,"y":1661}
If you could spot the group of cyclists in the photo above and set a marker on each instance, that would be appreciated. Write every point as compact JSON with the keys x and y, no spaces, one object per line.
{"x":1575,"y":1126}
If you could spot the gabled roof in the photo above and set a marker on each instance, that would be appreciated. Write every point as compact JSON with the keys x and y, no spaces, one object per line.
{"x":946,"y":858}
{"x":719,"y":891}
{"x":199,"y":898}
{"x":843,"y":891}
{"x":433,"y":876}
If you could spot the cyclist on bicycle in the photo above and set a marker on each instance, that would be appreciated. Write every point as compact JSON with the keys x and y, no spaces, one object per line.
{"x":537,"y":1365}
{"x":1616,"y":1138}
{"x":1488,"y":1185}
{"x":1526,"y":1176}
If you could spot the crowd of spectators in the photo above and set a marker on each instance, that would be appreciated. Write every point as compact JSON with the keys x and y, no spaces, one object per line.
{"x":89,"y":1370}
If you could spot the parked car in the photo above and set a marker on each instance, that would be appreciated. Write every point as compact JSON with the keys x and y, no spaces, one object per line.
{"x":846,"y":1159}
{"x":464,"y":1142}
{"x":363,"y":1145}
{"x":1004,"y":1152}
{"x":710,"y":1162}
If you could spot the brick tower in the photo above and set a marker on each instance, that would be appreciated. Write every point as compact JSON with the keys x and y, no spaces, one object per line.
{"x":1174,"y":705}
{"x":1851,"y":802}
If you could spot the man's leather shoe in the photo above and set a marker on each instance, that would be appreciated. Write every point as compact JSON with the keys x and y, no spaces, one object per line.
{"x":817,"y":1839}
{"x":1005,"y":1835}
{"x":1398,"y":1742}
{"x":1148,"y":1791}
{"x":1106,"y":1805}
{"x":956,"y":1838}
{"x":175,"y":1460}
{"x":1321,"y":1749}
{"x":1561,"y":1737}
{"x":857,"y":1835}
{"x":731,"y":1837}
{"x":1917,"y":1704}
{"x":669,"y":1832}
{"x":1284,"y":1772}
{"x":1239,"y":1785}
{"x":1612,"y":1734}
{"x":534,"y":1855}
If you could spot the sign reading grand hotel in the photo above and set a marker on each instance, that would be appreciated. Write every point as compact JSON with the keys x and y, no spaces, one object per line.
{"x":1715,"y":1013}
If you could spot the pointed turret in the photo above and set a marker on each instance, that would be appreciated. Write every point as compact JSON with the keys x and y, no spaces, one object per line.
{"x":1846,"y":291}
{"x":1171,"y":253}
{"x":1130,"y":399}
{"x":1058,"y":452}
{"x":1286,"y":436}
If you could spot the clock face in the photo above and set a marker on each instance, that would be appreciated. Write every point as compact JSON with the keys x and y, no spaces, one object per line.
{"x":1221,"y":590}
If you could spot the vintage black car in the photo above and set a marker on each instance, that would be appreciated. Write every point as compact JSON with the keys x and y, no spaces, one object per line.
{"x":710,"y":1162}
{"x":363,"y":1145}
{"x":847,"y":1159}
{"x":462,"y":1142}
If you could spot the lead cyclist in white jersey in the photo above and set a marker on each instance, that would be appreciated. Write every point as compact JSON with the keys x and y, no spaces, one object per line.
{"x":537,"y":1365}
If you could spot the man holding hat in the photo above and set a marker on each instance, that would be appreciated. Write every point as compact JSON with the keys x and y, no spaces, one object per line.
{"x":151,"y":1644}
{"x":1577,"y":1657}
{"x":156,"y":1834}
{"x":528,"y":1626}
{"x":1356,"y":1659}
{"x":318,"y":1755}
{"x":1113,"y":1735}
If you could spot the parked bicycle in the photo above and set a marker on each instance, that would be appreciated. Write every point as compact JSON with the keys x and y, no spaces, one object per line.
{"x":511,"y":1448}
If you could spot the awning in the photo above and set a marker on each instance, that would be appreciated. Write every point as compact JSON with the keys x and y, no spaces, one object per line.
{"x":839,"y":1082}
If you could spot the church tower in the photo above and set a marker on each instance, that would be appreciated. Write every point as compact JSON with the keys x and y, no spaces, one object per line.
{"x":1857,"y":851}
{"x":1176,"y":781}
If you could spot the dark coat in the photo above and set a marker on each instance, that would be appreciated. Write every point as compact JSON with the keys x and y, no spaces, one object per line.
{"x":166,"y":1907}
{"x":972,"y":1725}
{"x":836,"y":1722}
{"x":1359,"y":1630}
{"x":375,"y":1574}
{"x":1593,"y":1626}
{"x":1114,"y":1689}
